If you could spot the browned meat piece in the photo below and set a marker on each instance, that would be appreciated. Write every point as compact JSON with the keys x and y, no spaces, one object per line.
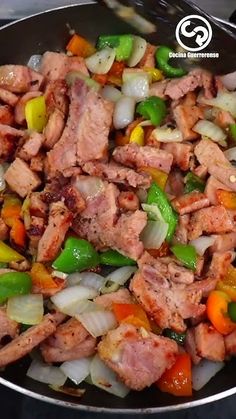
{"x":224,"y":242}
{"x":24,"y":343}
{"x":122,"y":296}
{"x":3,"y":230}
{"x":6,"y":116}
{"x":224,"y":119}
{"x":70,"y":341}
{"x":205,"y":286}
{"x":37,"y":162}
{"x":73,"y":199}
{"x":190,"y":202}
{"x":212,"y":186}
{"x":230,"y":344}
{"x":137,"y":356}
{"x":37,"y":205}
{"x":31,"y":146}
{"x":181,"y":232}
{"x":175,"y":183}
{"x":60,"y":219}
{"x":200,"y":171}
{"x":148,"y":60}
{"x":9,"y":329}
{"x":47,"y":292}
{"x":219,"y":265}
{"x":209,"y":342}
{"x":166,"y":302}
{"x":15,"y":78}
{"x":35,"y":231}
{"x":128,"y":201}
{"x":56,"y":65}
{"x":134,"y":156}
{"x":210,"y":155}
{"x":116,"y":173}
{"x":37,"y":80}
{"x":8,"y":97}
{"x":7,"y":130}
{"x":20,"y":106}
{"x":179,"y":274}
{"x":90,"y":116}
{"x":21,"y":178}
{"x":181,"y":153}
{"x":210,"y":220}
{"x":186,"y":115}
{"x":56,"y":96}
{"x":159,"y":88}
{"x":54,"y":128}
{"x":190,"y":346}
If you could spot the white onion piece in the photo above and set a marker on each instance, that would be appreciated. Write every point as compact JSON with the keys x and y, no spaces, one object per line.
{"x":79,"y":307}
{"x":124,"y":112}
{"x":111,"y":93}
{"x":87,"y":279}
{"x":139,"y":49}
{"x":59,"y":274}
{"x":89,"y":186}
{"x":104,"y":378}
{"x":146,"y":123}
{"x":202,"y":243}
{"x":167,"y":135}
{"x":211,"y":130}
{"x":101,"y":61}
{"x":2,"y":180}
{"x":138,"y":87}
{"x":224,"y":100}
{"x":72,"y":76}
{"x":229,"y":80}
{"x":121,"y":275}
{"x":154,"y":234}
{"x":230,"y":154}
{"x":35,"y":62}
{"x":66,"y":298}
{"x":27,"y":309}
{"x":76,"y":370}
{"x":203,"y":372}
{"x":153,"y":212}
{"x":98,"y":322}
{"x":131,"y":73}
{"x":46,"y":374}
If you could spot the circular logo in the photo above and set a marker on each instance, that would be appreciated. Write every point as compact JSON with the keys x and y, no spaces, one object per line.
{"x":195,"y":29}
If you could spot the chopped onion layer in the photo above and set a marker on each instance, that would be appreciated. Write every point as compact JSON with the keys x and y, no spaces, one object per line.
{"x":211,"y":130}
{"x":2,"y":180}
{"x":203,"y":372}
{"x":167,"y":135}
{"x":35,"y":62}
{"x":76,"y":370}
{"x":139,"y":49}
{"x":98,"y":323}
{"x":229,"y":80}
{"x":121,"y":275}
{"x":124,"y":112}
{"x":224,"y":100}
{"x":101,"y":61}
{"x":26,"y":309}
{"x":68,"y":297}
{"x":86,"y":279}
{"x":230,"y":154}
{"x":202,"y":243}
{"x":104,"y":378}
{"x":137,"y":87}
{"x":153,"y":212}
{"x":111,"y":93}
{"x":46,"y":374}
{"x":154,"y":234}
{"x":89,"y":186}
{"x":79,"y":307}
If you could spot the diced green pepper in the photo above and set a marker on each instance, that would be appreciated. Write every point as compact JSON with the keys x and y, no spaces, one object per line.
{"x":232,"y":311}
{"x":114,"y":258}
{"x":35,"y":114}
{"x":78,"y":255}
{"x":178,"y":337}
{"x":232,"y":130}
{"x":158,"y":197}
{"x":162,"y":58}
{"x":123,"y":45}
{"x":7,"y":254}
{"x":186,"y":254}
{"x":193,"y":183}
{"x":13,"y":284}
{"x":153,"y":108}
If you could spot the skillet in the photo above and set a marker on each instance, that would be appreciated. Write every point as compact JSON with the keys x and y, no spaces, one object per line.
{"x":18,"y":41}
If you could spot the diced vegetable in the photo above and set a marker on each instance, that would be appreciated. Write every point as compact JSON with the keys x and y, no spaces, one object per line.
{"x":104,"y":378}
{"x":202,"y":243}
{"x":230,"y":154}
{"x":68,"y":297}
{"x":121,"y":275}
{"x":18,"y":233}
{"x":72,"y":76}
{"x":124,"y":112}
{"x":122,"y":44}
{"x":228,"y":284}
{"x":101,"y":61}
{"x":13,"y":284}
{"x":172,"y":334}
{"x":178,"y":379}
{"x":137,"y":87}
{"x":41,"y":278}
{"x":157,"y":197}
{"x":35,"y":114}
{"x":153,"y":108}
{"x":167,"y":135}
{"x":78,"y":255}
{"x":86,"y":279}
{"x":232,"y":131}
{"x":80,"y":46}
{"x":203,"y":373}
{"x":130,"y":74}
{"x":132,"y":314}
{"x":155,"y":73}
{"x":111,"y":93}
{"x":158,"y":176}
{"x":186,"y":253}
{"x":226,"y":198}
{"x":89,"y":186}
{"x":217,"y":312}
{"x":154,"y":234}
{"x":211,"y":130}
{"x":193,"y":183}
{"x":76,"y":370}
{"x":98,"y":322}
{"x":224,"y":100}
{"x":162,"y":59}
{"x":46,"y":374}
{"x":114,"y":258}
{"x":154,"y":214}
{"x":137,"y":136}
{"x":35,"y":62}
{"x":26,"y":309}
{"x":232,"y":310}
{"x":138,"y":51}
{"x":11,"y":209}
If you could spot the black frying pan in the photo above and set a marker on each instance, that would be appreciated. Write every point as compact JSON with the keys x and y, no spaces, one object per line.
{"x":18,"y":41}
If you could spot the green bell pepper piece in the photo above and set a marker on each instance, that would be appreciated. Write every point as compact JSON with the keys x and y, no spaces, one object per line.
{"x":153,"y":108}
{"x":78,"y":255}
{"x":158,"y":197}
{"x":232,"y":311}
{"x":14,"y":283}
{"x":178,"y":337}
{"x":232,"y":130}
{"x":193,"y":183}
{"x":162,"y":59}
{"x":114,"y":258}
{"x":186,"y":254}
{"x":123,"y":45}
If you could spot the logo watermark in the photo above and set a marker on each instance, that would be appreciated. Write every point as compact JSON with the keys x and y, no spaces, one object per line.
{"x":194,"y":33}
